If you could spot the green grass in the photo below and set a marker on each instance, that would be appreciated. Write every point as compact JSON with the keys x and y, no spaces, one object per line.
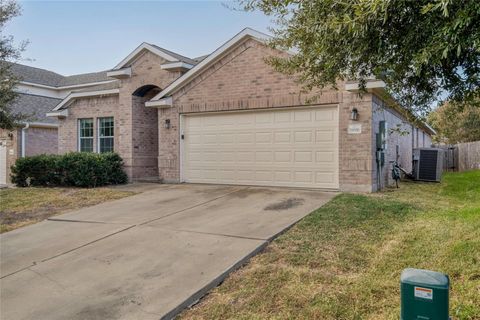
{"x":24,"y":206}
{"x":344,"y":260}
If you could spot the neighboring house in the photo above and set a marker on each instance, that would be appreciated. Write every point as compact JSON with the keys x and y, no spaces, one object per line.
{"x":229,"y":118}
{"x":39,"y":91}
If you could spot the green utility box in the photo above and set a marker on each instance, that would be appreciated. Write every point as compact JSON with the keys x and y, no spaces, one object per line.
{"x":424,"y":295}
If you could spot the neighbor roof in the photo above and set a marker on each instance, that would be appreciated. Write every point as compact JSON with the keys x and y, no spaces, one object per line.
{"x":53,"y":79}
{"x":35,"y":107}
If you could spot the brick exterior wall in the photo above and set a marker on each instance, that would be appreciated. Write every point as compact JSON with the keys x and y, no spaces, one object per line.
{"x":241,"y":80}
{"x":37,"y":141}
{"x":136,"y":121}
{"x":94,"y":108}
{"x":136,"y":127}
{"x":41,"y":140}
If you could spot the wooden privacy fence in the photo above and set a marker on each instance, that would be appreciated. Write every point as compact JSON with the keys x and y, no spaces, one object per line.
{"x":461,"y":157}
{"x":468,"y":156}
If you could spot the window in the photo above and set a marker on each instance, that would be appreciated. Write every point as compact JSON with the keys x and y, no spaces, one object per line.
{"x":85,"y":135}
{"x":105,"y":134}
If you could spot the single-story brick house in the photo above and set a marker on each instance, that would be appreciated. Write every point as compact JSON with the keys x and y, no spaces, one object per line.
{"x":39,"y":91}
{"x":229,"y":118}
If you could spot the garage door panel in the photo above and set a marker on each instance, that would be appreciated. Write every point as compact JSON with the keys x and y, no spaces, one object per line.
{"x":288,"y":147}
{"x":325,"y":156}
{"x":282,"y":137}
{"x":325,"y":115}
{"x":303,"y":137}
{"x":325,"y":136}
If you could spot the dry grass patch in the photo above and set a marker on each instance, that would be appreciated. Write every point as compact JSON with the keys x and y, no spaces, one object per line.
{"x":24,"y":206}
{"x":344,"y":260}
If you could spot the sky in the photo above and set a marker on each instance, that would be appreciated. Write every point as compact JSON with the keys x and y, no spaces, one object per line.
{"x":72,"y":37}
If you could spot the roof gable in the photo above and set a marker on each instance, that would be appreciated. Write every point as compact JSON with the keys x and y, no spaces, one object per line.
{"x":207,"y":61}
{"x":166,"y":54}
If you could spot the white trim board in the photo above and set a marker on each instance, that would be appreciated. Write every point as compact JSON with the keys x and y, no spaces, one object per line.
{"x":74,"y":95}
{"x":176,"y":65}
{"x":143,"y":46}
{"x":73,"y":86}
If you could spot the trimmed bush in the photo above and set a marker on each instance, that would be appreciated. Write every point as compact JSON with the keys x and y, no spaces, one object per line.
{"x":77,"y":169}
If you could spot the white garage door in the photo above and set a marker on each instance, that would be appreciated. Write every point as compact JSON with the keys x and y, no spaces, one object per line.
{"x":284,"y":147}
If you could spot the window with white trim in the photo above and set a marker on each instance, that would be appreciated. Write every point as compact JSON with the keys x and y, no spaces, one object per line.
{"x":85,"y":135}
{"x":105,"y":134}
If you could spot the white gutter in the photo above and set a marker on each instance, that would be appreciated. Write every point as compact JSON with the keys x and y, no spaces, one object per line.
{"x":24,"y":130}
{"x":43,"y":125}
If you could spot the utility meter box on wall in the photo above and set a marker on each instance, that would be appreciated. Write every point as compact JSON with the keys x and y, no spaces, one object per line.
{"x":424,"y":295}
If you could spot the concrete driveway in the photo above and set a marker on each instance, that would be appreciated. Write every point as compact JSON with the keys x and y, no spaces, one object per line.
{"x":143,"y":257}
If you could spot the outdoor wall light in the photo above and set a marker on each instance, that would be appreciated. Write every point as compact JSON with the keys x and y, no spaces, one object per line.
{"x":354,"y":114}
{"x":167,"y":124}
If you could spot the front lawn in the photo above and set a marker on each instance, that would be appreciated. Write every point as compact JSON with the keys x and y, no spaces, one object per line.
{"x":344,"y":260}
{"x":23,"y":206}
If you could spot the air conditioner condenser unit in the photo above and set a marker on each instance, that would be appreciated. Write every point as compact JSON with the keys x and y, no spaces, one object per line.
{"x":428,"y":164}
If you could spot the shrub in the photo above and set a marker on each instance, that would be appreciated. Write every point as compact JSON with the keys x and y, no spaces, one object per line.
{"x":78,"y":169}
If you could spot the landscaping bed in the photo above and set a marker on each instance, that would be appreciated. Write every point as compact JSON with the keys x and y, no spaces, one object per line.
{"x":23,"y":206}
{"x":344,"y":260}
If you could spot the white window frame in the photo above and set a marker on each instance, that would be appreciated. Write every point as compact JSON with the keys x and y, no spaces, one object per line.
{"x":98,"y":133}
{"x":79,"y":134}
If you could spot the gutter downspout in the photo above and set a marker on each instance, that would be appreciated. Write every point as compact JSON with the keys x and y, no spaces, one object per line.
{"x":24,"y":130}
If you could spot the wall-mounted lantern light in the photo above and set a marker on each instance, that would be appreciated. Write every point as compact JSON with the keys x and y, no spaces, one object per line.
{"x":167,"y":124}
{"x":354,"y":114}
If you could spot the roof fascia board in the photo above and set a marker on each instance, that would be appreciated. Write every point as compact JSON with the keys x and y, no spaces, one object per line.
{"x":88,"y":84}
{"x":138,"y":50}
{"x":371,"y":84}
{"x":162,"y":103}
{"x":74,"y":95}
{"x":42,"y":124}
{"x":120,"y":73}
{"x":58,"y":114}
{"x":176,"y":65}
{"x":212,"y":57}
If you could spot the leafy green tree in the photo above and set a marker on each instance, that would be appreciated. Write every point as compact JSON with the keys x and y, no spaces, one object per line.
{"x":8,"y":53}
{"x":420,"y":48}
{"x":456,"y":122}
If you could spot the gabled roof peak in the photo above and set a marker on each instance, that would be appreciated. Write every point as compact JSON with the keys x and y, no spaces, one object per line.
{"x":159,"y":51}
{"x":206,"y":61}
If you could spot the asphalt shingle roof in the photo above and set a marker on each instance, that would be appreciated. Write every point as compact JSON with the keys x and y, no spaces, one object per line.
{"x":35,"y":107}
{"x":53,"y":79}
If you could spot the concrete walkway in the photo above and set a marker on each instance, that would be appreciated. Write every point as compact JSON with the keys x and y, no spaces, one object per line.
{"x":143,"y":257}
